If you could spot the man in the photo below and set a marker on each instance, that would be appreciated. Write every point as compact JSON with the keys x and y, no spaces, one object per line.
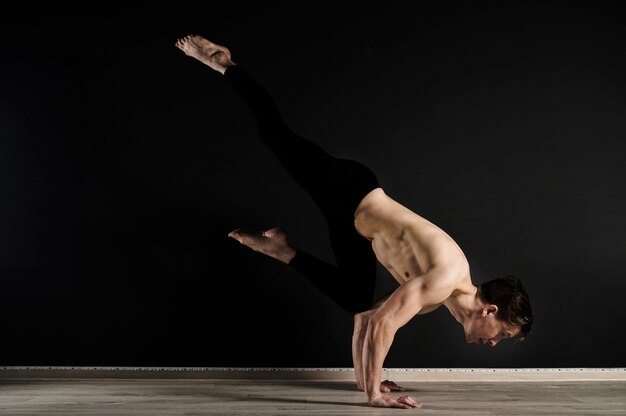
{"x":366,"y":225}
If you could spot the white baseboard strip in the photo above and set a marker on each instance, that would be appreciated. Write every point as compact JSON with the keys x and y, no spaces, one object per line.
{"x":345,"y":374}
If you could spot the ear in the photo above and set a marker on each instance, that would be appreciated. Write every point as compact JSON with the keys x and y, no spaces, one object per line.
{"x":489,"y":309}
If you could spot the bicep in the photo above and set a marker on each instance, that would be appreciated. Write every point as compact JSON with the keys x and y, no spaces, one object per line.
{"x":408,"y":300}
{"x":402,"y":305}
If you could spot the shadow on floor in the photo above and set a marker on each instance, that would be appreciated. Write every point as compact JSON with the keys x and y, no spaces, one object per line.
{"x":333,"y":385}
{"x":300,"y":401}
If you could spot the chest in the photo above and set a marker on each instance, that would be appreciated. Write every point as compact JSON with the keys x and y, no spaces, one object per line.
{"x":399,"y":259}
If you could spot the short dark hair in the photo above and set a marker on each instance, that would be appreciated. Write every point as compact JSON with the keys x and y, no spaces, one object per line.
{"x":508,"y":294}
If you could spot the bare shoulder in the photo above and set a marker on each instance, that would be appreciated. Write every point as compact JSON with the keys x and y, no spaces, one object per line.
{"x":418,"y":295}
{"x":440,"y":283}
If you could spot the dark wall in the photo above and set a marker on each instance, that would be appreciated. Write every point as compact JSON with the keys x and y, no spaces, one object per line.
{"x":124,"y":164}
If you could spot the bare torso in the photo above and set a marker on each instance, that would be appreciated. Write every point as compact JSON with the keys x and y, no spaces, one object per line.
{"x":409,"y":245}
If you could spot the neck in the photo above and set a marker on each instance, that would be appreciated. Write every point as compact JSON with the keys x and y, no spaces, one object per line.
{"x":464,"y":306}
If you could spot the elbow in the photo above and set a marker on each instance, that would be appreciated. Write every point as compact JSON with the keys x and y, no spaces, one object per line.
{"x":360,"y":319}
{"x":377,"y":327}
{"x":360,"y":322}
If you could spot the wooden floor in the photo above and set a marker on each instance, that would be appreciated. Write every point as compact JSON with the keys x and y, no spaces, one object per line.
{"x":139,"y":397}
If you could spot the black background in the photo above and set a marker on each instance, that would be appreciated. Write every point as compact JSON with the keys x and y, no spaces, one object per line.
{"x":124,"y":164}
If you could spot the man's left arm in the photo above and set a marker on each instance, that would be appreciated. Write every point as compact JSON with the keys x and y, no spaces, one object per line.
{"x":358,"y":338}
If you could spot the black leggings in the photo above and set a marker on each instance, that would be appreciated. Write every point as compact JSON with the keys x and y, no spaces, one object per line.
{"x":336,"y":185}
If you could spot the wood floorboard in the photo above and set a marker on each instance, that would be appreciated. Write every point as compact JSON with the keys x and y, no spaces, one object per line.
{"x":97,"y":397}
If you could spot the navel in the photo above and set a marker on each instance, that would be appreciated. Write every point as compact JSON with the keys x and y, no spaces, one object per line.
{"x":406,"y":274}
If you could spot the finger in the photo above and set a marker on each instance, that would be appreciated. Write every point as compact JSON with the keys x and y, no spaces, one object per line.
{"x":409,"y":401}
{"x":393,"y":386}
{"x":384,"y":389}
{"x":413,"y":403}
{"x":405,"y":399}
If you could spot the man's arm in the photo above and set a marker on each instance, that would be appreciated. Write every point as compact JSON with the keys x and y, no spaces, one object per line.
{"x":360,"y":328}
{"x":358,"y":336}
{"x":403,"y":304}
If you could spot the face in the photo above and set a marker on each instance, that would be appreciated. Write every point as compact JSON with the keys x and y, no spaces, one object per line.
{"x":485,"y":328}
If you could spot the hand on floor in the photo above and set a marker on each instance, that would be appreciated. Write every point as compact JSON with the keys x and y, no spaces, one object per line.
{"x":388,"y":385}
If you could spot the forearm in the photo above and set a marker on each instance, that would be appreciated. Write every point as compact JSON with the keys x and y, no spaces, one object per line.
{"x":378,"y":340}
{"x":357,"y":356}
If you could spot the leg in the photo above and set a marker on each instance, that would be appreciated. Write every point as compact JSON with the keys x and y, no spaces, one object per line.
{"x":333,"y":183}
{"x":336,"y":185}
{"x":351,"y":287}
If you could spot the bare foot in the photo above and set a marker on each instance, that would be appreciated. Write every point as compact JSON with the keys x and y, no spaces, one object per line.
{"x":272,"y":242}
{"x":205,"y":51}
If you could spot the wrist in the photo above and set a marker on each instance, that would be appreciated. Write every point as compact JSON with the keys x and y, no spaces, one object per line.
{"x":373,"y":396}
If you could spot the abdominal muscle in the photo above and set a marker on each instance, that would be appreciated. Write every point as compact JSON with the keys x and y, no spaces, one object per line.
{"x":405,"y":243}
{"x":409,"y":253}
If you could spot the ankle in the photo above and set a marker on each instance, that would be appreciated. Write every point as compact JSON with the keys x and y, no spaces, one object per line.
{"x":222,"y":68}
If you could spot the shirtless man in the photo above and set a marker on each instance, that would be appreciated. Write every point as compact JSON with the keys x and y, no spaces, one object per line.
{"x":366,"y":225}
